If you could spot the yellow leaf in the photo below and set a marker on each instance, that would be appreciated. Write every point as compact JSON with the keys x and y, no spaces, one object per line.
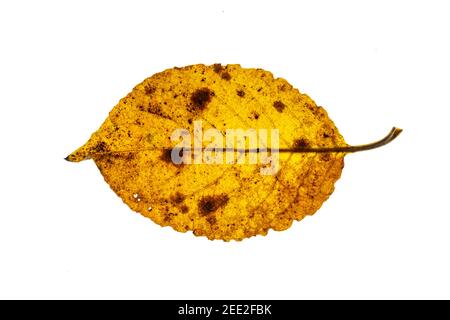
{"x":221,"y":200}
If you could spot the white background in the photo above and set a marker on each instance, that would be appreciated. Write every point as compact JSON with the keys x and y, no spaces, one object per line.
{"x":384,"y":233}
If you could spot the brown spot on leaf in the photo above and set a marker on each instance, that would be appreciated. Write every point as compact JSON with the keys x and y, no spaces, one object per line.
{"x":100,"y":147}
{"x":184,"y":208}
{"x":211,"y":219}
{"x":177,"y":198}
{"x":226,"y":76}
{"x":149,"y":90}
{"x":301,"y":143}
{"x":217,"y":67}
{"x":240,"y":93}
{"x":166,"y":155}
{"x":279,"y":106}
{"x":310,"y":107}
{"x":154,"y":108}
{"x":325,"y":157}
{"x":201,"y":97}
{"x":210,"y":204}
{"x":130,"y":156}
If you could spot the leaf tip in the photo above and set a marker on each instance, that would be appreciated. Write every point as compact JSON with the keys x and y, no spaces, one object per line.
{"x":77,"y":156}
{"x":71,"y":158}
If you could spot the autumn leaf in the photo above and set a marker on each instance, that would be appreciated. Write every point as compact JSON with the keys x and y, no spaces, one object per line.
{"x":134,"y":151}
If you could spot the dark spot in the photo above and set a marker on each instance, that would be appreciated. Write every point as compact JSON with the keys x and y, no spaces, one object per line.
{"x":255,"y":115}
{"x":203,"y":80}
{"x":184,"y":208}
{"x":325,"y":157}
{"x":217,"y":67}
{"x":210,"y":204}
{"x":240,"y":93}
{"x":149,"y":90}
{"x":211,"y":219}
{"x":226,"y":76}
{"x":141,"y":108}
{"x":310,"y":107}
{"x":279,"y":106}
{"x":201,"y":97}
{"x":190,"y":121}
{"x":326,"y":135}
{"x":156,"y":110}
{"x":100,"y":147}
{"x":130,"y":156}
{"x":301,"y":143}
{"x":177,"y":198}
{"x":222,"y":71}
{"x":166,"y":155}
{"x":259,"y":89}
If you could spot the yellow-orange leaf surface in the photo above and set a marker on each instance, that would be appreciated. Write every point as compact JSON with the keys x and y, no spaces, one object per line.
{"x":219,"y":201}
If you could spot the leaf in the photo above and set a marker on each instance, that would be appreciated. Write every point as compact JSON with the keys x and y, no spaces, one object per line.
{"x":133,"y":150}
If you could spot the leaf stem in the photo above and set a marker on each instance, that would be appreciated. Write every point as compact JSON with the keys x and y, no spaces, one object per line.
{"x":344,"y":149}
{"x":350,"y":149}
